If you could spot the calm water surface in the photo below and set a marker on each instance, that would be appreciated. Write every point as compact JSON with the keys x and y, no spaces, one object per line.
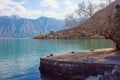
{"x":19,"y":58}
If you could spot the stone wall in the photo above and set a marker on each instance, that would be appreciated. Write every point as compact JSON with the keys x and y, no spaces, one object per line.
{"x":71,"y":69}
{"x":112,"y":75}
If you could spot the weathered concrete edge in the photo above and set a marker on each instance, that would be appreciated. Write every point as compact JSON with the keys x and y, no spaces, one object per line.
{"x":67,"y":69}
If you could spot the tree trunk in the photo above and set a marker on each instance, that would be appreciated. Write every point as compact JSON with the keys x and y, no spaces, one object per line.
{"x":117,"y":45}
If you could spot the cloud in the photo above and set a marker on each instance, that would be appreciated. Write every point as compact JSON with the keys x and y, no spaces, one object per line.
{"x":50,"y":8}
{"x":50,"y":14}
{"x":67,"y":2}
{"x":33,"y":14}
{"x":67,"y":8}
{"x":50,"y":3}
{"x":9,"y":8}
{"x":22,"y":2}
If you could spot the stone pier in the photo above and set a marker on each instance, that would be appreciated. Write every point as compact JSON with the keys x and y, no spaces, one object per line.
{"x":78,"y":64}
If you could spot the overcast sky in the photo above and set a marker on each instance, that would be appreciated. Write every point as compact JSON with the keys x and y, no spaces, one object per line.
{"x":36,"y":8}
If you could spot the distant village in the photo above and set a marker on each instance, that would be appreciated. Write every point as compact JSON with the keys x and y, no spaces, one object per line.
{"x":62,"y":35}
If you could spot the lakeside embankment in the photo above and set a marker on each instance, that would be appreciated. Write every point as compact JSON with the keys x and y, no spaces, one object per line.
{"x":78,"y":64}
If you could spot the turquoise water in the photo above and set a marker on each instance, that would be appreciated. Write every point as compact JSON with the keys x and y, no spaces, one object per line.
{"x":19,"y":58}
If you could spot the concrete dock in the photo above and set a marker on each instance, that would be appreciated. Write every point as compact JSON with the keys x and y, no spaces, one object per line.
{"x":79,"y":64}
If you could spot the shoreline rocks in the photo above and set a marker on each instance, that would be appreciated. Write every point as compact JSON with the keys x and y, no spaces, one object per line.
{"x":112,"y":75}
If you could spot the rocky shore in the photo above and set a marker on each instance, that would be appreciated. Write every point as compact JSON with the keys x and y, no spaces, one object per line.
{"x":112,"y":75}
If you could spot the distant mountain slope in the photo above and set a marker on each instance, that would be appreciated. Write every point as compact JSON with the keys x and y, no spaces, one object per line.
{"x":89,"y":24}
{"x":16,"y":26}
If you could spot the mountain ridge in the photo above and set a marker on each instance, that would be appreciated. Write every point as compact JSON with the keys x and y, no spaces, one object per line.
{"x":16,"y":26}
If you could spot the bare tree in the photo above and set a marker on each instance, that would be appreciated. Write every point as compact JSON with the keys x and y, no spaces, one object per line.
{"x":82,"y":11}
{"x":116,"y":30}
{"x":85,"y":10}
{"x":70,"y":21}
{"x":105,"y":22}
{"x":108,"y":2}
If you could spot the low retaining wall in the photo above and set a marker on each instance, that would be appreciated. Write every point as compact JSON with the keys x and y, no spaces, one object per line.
{"x":70,"y":69}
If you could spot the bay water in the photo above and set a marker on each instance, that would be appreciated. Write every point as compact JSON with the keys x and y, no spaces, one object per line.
{"x":20,"y":58}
